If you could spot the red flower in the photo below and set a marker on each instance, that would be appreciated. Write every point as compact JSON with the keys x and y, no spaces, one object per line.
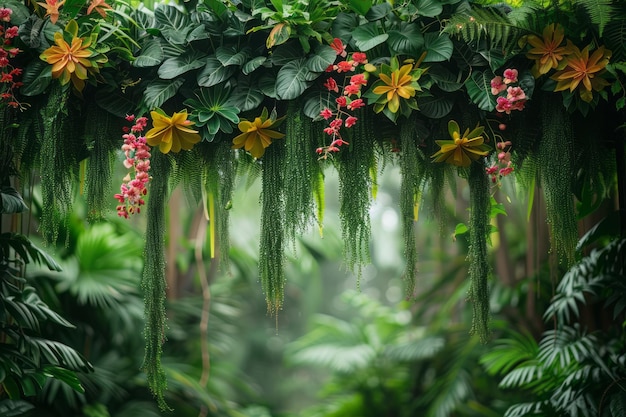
{"x":6,"y":78}
{"x":341,"y":101}
{"x":352,"y":89}
{"x":339,"y":47}
{"x":345,"y":66}
{"x":351,"y":121}
{"x":331,"y":85}
{"x":358,"y":79}
{"x":11,"y":32}
{"x":355,"y":104}
{"x":326,"y":113}
{"x":359,"y":58}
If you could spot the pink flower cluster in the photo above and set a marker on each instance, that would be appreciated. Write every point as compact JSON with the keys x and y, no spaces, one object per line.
{"x":137,"y":154}
{"x":8,"y":83}
{"x":349,"y":100}
{"x":503,"y":166}
{"x":510,"y":95}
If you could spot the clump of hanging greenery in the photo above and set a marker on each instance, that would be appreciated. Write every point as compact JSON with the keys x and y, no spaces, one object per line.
{"x":286,"y":90}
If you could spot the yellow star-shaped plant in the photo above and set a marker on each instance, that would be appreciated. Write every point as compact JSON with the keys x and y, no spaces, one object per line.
{"x":256,"y":135}
{"x":172,"y":133}
{"x":462,"y":149}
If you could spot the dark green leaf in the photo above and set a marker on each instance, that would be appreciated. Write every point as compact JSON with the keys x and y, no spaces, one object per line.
{"x":159,"y":91}
{"x":14,"y":408}
{"x":435,"y":107}
{"x":407,"y":40}
{"x":343,"y":26}
{"x":429,"y":8}
{"x":286,"y":53}
{"x":115,"y":101}
{"x":323,"y":57}
{"x":173,"y":67}
{"x":360,"y":6}
{"x":214,"y":73}
{"x":65,"y":375}
{"x":439,"y":47}
{"x":367,"y":36}
{"x":170,"y":16}
{"x":378,"y":11}
{"x":36,"y":79}
{"x":11,"y":201}
{"x":291,"y":80}
{"x":246,"y":96}
{"x":151,"y":54}
{"x":228,"y":55}
{"x":253,"y":64}
{"x":315,"y":102}
{"x":444,"y":79}
{"x":479,"y":89}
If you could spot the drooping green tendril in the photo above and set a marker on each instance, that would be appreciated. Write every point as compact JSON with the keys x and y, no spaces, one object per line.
{"x":153,"y":280}
{"x":479,"y":269}
{"x":272,"y":245}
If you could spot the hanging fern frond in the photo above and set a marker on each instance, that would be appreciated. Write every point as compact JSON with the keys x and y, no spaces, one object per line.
{"x":600,"y":12}
{"x":614,"y":36}
{"x":556,"y":178}
{"x":412,"y":174}
{"x":301,"y":171}
{"x":479,"y":267}
{"x":355,"y":187}
{"x":153,"y":281}
{"x":272,"y":245}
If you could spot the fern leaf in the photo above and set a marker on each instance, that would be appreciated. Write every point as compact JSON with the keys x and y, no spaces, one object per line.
{"x":600,"y":12}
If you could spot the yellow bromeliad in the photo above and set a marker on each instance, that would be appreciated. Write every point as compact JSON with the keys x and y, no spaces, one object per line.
{"x":462,"y":149}
{"x":395,"y":90}
{"x":172,"y":133}
{"x":583,"y":72}
{"x":257,"y":134}
{"x":547,"y":51}
{"x":72,"y":61}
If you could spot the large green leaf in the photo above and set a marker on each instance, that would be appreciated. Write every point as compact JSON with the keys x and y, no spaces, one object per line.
{"x":285,"y":54}
{"x":173,"y":67}
{"x":14,"y":408}
{"x":406,"y":40}
{"x":378,"y":11}
{"x":170,"y":16}
{"x":253,"y":64}
{"x":36,"y":79}
{"x":367,"y":36}
{"x":159,"y":91}
{"x":360,"y":6}
{"x":151,"y":54}
{"x":246,"y":95}
{"x":343,"y":26}
{"x":429,"y":8}
{"x":291,"y":80}
{"x":115,"y":101}
{"x":214,"y":73}
{"x":229,"y":55}
{"x":323,"y":57}
{"x":439,"y":47}
{"x":479,"y":89}
{"x":267,"y":84}
{"x":11,"y":201}
{"x":315,"y":102}
{"x":444,"y":79}
{"x":435,"y":107}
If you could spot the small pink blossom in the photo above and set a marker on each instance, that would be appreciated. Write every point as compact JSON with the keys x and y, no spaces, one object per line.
{"x":339,"y":47}
{"x":341,"y":101}
{"x":351,"y":90}
{"x":497,"y":85}
{"x":336,"y":123}
{"x":503,"y":105}
{"x":515,"y":94}
{"x":5,"y":14}
{"x":510,"y":76}
{"x":345,"y":66}
{"x":358,"y":79}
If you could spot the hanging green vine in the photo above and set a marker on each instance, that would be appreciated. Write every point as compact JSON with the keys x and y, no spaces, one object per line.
{"x":57,"y":162}
{"x":479,"y":269}
{"x":555,"y":165}
{"x":301,"y":171}
{"x":220,"y":180}
{"x":412,"y":172}
{"x":355,"y":188}
{"x":100,"y":131}
{"x":153,"y":281}
{"x":272,"y":247}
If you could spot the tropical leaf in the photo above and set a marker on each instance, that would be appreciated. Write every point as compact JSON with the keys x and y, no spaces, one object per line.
{"x":229,"y":55}
{"x":14,"y":408}
{"x":11,"y":201}
{"x":406,"y":40}
{"x":600,"y":12}
{"x":173,"y":67}
{"x":253,"y":64}
{"x":367,"y":36}
{"x":214,"y":73}
{"x":320,"y":60}
{"x":479,"y":89}
{"x":435,"y":107}
{"x":246,"y":96}
{"x":438,"y":46}
{"x":151,"y":54}
{"x":292,"y":80}
{"x":159,"y":91}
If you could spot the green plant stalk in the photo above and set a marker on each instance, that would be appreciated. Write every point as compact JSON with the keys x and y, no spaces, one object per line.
{"x":479,"y":268}
{"x":272,"y":245}
{"x":153,"y":280}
